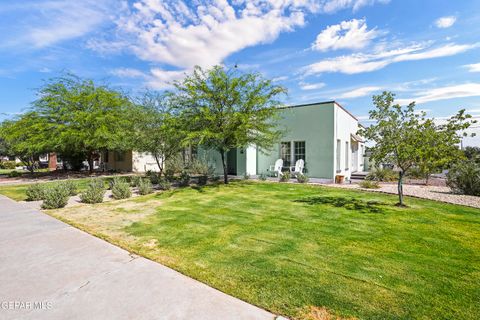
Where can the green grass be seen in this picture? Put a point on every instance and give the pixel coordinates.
(17, 191)
(286, 247)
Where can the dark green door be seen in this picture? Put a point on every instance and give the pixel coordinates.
(232, 162)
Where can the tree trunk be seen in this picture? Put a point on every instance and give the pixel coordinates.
(160, 166)
(90, 162)
(225, 173)
(427, 179)
(400, 187)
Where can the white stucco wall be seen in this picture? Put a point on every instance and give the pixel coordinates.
(251, 159)
(143, 162)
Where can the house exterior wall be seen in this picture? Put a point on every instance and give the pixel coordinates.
(115, 163)
(143, 162)
(313, 124)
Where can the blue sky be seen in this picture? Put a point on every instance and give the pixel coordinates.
(343, 50)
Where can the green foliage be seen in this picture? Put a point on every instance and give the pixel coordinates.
(184, 179)
(202, 180)
(464, 178)
(94, 193)
(302, 178)
(144, 187)
(121, 189)
(135, 181)
(200, 166)
(262, 176)
(382, 174)
(472, 154)
(35, 192)
(71, 186)
(285, 176)
(405, 138)
(8, 165)
(153, 177)
(164, 184)
(225, 109)
(14, 174)
(56, 196)
(369, 184)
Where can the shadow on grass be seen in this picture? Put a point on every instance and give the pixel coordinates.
(347, 203)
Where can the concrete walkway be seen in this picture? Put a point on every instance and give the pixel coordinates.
(50, 270)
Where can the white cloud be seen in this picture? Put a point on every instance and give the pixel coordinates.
(172, 33)
(163, 79)
(128, 73)
(279, 79)
(475, 67)
(360, 62)
(311, 86)
(45, 23)
(331, 6)
(352, 34)
(445, 22)
(444, 93)
(359, 92)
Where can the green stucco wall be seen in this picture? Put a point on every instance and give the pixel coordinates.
(313, 124)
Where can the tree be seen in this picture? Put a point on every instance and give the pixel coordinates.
(84, 118)
(472, 154)
(26, 137)
(406, 139)
(225, 109)
(158, 130)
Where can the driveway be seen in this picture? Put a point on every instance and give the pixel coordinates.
(50, 270)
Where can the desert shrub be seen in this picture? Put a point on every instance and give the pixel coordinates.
(184, 179)
(144, 187)
(10, 165)
(14, 174)
(382, 174)
(369, 184)
(246, 176)
(285, 177)
(56, 196)
(464, 178)
(35, 192)
(121, 189)
(71, 186)
(416, 173)
(164, 184)
(94, 192)
(174, 165)
(135, 181)
(262, 176)
(301, 178)
(216, 178)
(169, 174)
(202, 180)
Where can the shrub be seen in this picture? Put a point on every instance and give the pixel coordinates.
(416, 173)
(144, 187)
(246, 176)
(382, 174)
(14, 174)
(35, 192)
(464, 178)
(164, 184)
(202, 180)
(121, 189)
(216, 178)
(369, 184)
(285, 177)
(135, 181)
(262, 176)
(71, 186)
(184, 179)
(56, 196)
(301, 178)
(8, 165)
(154, 178)
(94, 192)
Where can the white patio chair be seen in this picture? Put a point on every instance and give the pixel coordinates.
(276, 169)
(299, 166)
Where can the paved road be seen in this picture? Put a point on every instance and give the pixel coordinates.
(50, 270)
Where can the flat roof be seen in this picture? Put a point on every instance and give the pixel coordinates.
(317, 103)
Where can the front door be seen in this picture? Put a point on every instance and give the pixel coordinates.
(354, 145)
(232, 162)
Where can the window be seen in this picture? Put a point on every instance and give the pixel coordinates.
(339, 153)
(346, 155)
(285, 153)
(119, 156)
(299, 147)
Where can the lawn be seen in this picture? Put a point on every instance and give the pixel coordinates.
(290, 248)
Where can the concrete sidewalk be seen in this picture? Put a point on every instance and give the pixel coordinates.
(50, 270)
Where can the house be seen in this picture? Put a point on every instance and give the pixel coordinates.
(323, 134)
(128, 161)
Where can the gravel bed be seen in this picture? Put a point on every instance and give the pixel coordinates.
(437, 193)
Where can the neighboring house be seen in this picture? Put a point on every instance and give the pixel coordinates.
(323, 134)
(128, 161)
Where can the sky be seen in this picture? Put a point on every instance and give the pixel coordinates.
(426, 51)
